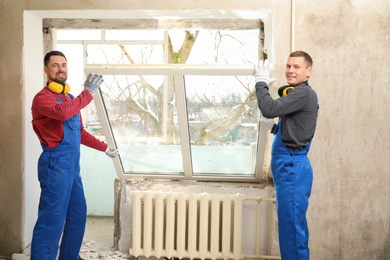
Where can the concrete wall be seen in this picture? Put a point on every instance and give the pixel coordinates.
(349, 212)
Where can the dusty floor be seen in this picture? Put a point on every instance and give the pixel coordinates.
(97, 244)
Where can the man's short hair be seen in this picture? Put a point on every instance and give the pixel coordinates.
(306, 57)
(52, 53)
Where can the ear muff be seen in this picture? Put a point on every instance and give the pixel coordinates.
(283, 91)
(58, 88)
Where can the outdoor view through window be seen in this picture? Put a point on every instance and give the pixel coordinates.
(220, 109)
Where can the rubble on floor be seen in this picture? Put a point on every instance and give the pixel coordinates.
(88, 251)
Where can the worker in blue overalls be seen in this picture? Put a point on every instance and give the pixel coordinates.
(292, 173)
(58, 125)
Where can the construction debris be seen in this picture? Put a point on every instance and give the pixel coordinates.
(88, 251)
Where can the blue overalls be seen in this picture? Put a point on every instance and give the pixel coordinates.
(293, 177)
(62, 198)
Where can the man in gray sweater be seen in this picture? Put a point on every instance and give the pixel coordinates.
(292, 173)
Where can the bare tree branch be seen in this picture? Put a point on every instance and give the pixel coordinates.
(144, 82)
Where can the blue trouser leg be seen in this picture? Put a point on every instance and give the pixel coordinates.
(304, 181)
(293, 180)
(72, 237)
(55, 192)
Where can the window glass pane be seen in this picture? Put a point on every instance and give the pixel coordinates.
(184, 47)
(124, 54)
(214, 46)
(143, 116)
(135, 35)
(68, 35)
(223, 121)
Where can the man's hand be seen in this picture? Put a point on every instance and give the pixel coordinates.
(93, 82)
(263, 72)
(269, 122)
(112, 152)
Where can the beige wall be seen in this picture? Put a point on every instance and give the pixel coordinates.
(350, 208)
(349, 211)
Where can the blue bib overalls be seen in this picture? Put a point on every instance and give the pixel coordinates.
(62, 205)
(293, 177)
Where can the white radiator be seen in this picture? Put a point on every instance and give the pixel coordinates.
(180, 225)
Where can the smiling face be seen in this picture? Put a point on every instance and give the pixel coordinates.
(297, 71)
(57, 69)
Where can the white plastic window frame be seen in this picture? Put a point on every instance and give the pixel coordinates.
(178, 72)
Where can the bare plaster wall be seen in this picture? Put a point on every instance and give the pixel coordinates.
(349, 212)
(11, 130)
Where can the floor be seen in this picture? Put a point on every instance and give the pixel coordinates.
(100, 232)
(97, 244)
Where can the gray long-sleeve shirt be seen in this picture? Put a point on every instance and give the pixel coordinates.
(297, 112)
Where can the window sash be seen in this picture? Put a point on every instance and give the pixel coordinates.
(178, 71)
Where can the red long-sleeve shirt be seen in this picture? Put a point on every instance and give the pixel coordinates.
(48, 116)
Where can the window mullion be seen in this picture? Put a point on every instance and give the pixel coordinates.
(183, 124)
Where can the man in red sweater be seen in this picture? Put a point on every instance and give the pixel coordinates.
(58, 125)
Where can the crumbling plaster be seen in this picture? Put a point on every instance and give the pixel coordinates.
(349, 212)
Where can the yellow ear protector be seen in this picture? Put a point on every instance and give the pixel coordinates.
(283, 91)
(59, 88)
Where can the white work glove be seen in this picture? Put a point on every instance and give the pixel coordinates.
(93, 82)
(268, 121)
(263, 72)
(112, 152)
